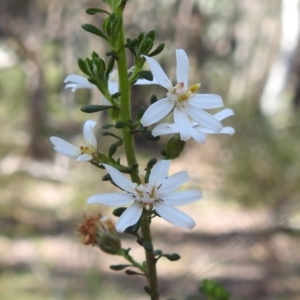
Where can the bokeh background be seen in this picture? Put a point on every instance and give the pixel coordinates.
(247, 233)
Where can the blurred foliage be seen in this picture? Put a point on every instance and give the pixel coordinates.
(231, 45)
(263, 162)
(213, 290)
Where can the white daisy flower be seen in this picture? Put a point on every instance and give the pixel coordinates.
(84, 153)
(195, 130)
(182, 99)
(159, 194)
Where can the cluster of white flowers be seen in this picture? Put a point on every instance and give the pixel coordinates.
(190, 121)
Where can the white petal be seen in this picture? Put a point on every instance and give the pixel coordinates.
(225, 130)
(158, 73)
(206, 101)
(113, 87)
(120, 180)
(71, 86)
(143, 81)
(156, 111)
(183, 123)
(228, 130)
(173, 182)
(129, 217)
(223, 114)
(89, 134)
(111, 199)
(164, 128)
(181, 198)
(77, 81)
(202, 117)
(65, 147)
(84, 157)
(159, 172)
(199, 136)
(182, 67)
(174, 216)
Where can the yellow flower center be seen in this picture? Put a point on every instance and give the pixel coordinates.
(87, 150)
(179, 95)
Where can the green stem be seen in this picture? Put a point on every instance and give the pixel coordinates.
(125, 105)
(124, 116)
(150, 258)
(129, 258)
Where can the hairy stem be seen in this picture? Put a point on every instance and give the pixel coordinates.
(125, 106)
(149, 251)
(124, 116)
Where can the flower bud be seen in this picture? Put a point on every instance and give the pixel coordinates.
(174, 147)
(100, 231)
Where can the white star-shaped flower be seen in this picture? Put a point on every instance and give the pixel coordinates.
(84, 153)
(196, 131)
(182, 99)
(158, 193)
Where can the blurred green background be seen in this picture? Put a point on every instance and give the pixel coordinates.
(247, 234)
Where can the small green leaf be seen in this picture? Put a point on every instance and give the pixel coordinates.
(101, 67)
(158, 50)
(93, 11)
(112, 150)
(140, 37)
(146, 46)
(95, 55)
(153, 99)
(155, 213)
(131, 43)
(151, 35)
(116, 95)
(148, 135)
(172, 257)
(118, 211)
(92, 29)
(93, 81)
(106, 133)
(119, 267)
(146, 75)
(141, 112)
(110, 66)
(158, 252)
(120, 124)
(95, 108)
(116, 26)
(82, 66)
(89, 66)
(107, 27)
(106, 177)
(147, 290)
(151, 163)
(131, 273)
(106, 126)
(127, 250)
